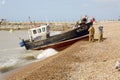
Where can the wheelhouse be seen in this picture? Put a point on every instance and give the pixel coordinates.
(39, 33)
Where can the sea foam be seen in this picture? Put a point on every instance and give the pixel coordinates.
(8, 64)
(47, 53)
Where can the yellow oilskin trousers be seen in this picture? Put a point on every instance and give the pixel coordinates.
(100, 37)
(91, 38)
(91, 34)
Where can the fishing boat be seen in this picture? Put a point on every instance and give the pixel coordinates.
(40, 38)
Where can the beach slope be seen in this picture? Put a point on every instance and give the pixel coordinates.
(80, 61)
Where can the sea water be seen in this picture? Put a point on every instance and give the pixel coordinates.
(13, 56)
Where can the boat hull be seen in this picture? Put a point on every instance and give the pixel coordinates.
(61, 45)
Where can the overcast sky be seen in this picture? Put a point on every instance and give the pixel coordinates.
(59, 10)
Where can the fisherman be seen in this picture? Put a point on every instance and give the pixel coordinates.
(85, 19)
(100, 35)
(91, 33)
(92, 20)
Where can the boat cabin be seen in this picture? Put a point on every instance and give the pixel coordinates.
(39, 33)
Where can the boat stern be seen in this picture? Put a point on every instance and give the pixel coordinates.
(26, 44)
(22, 43)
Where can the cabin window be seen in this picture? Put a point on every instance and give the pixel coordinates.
(43, 29)
(39, 30)
(34, 32)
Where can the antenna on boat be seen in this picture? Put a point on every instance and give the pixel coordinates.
(47, 21)
(30, 21)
